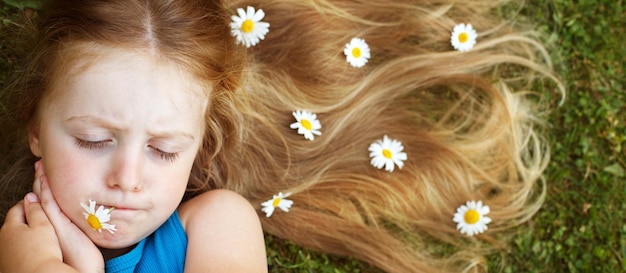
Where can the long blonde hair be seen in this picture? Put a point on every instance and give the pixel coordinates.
(468, 121)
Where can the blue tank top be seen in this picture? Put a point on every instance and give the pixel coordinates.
(162, 251)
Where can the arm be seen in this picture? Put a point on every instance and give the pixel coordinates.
(224, 234)
(28, 242)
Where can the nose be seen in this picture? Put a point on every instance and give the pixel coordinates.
(126, 171)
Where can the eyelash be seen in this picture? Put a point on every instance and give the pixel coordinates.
(94, 145)
(91, 145)
(165, 155)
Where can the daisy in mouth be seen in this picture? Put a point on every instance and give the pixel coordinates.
(97, 219)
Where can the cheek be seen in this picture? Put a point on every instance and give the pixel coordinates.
(174, 180)
(70, 177)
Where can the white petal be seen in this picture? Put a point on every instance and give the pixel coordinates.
(268, 211)
(258, 16)
(285, 204)
(110, 228)
(389, 165)
(242, 14)
(250, 12)
(86, 208)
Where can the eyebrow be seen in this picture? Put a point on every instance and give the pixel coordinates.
(111, 125)
(171, 134)
(96, 121)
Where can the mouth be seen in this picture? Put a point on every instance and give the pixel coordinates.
(122, 209)
(123, 213)
(118, 208)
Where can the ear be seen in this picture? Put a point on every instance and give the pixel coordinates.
(33, 140)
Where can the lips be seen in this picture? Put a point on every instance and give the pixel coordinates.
(120, 208)
(124, 213)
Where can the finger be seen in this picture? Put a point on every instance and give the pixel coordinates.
(50, 206)
(34, 211)
(37, 186)
(75, 244)
(16, 214)
(38, 165)
(38, 174)
(47, 199)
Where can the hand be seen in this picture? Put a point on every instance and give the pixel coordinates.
(78, 250)
(28, 242)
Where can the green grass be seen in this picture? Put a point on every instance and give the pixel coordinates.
(582, 226)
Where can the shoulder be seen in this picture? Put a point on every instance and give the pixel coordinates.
(224, 234)
(224, 200)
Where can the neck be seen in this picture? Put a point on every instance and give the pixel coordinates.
(112, 253)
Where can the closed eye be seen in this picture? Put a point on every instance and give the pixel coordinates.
(164, 155)
(91, 145)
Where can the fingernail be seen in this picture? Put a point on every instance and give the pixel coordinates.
(32, 198)
(37, 166)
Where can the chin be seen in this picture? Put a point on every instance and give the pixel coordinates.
(116, 240)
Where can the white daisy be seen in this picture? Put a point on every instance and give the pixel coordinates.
(471, 219)
(463, 37)
(307, 124)
(357, 52)
(387, 152)
(277, 201)
(248, 28)
(98, 219)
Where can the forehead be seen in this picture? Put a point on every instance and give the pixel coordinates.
(81, 62)
(127, 84)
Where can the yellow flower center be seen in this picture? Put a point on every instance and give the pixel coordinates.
(472, 216)
(463, 37)
(94, 222)
(387, 154)
(306, 124)
(276, 202)
(356, 52)
(247, 26)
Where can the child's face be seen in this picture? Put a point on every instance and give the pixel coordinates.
(124, 133)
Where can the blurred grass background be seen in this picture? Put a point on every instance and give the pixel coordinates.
(582, 226)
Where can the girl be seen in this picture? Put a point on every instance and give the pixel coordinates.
(387, 131)
(126, 106)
